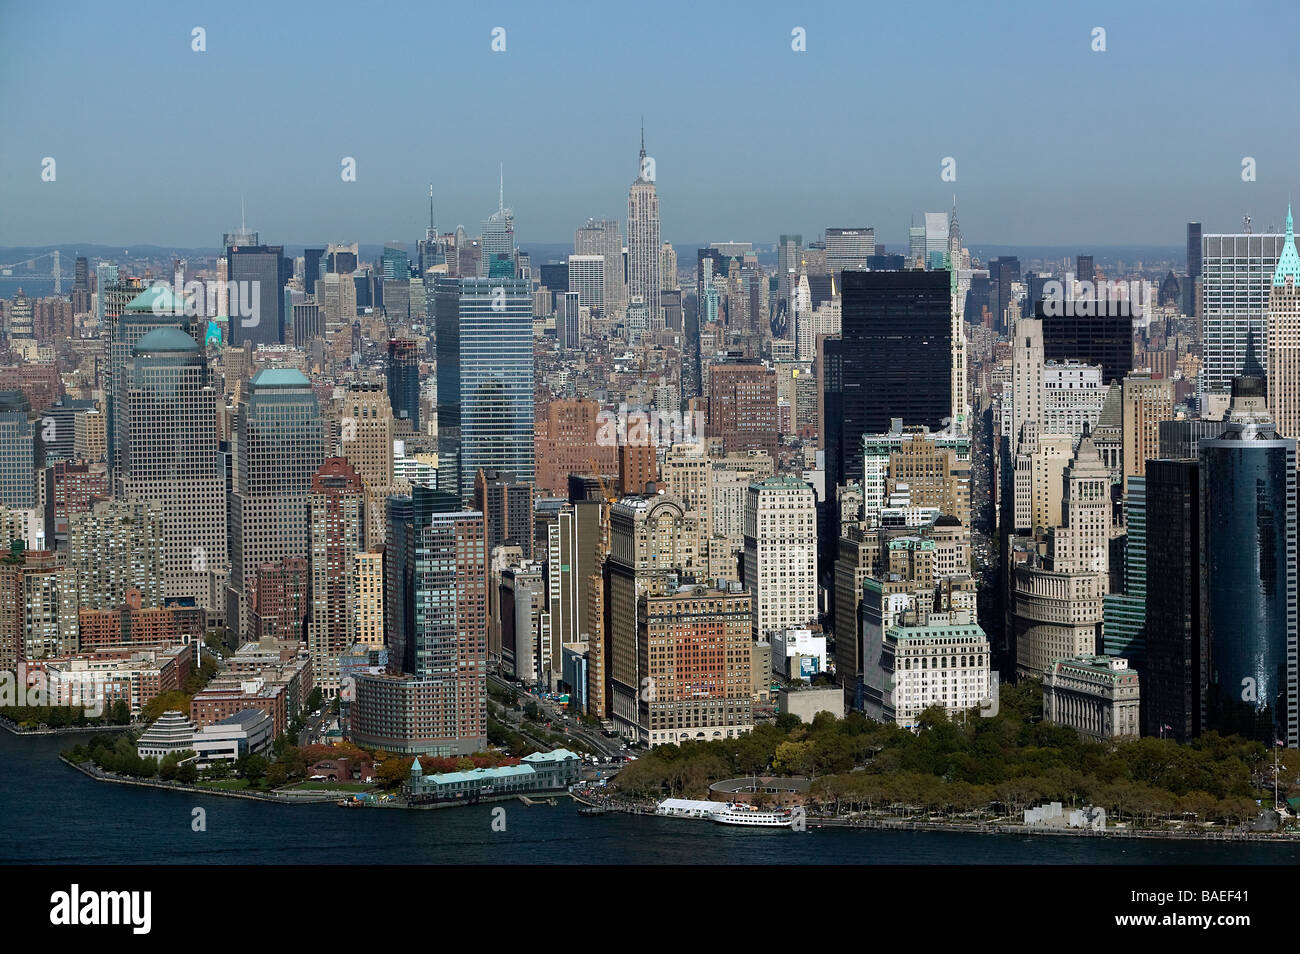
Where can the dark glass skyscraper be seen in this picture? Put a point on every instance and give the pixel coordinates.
(1194, 250)
(404, 380)
(1248, 489)
(263, 266)
(1173, 679)
(1090, 331)
(895, 360)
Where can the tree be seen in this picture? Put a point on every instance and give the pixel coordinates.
(187, 773)
(392, 772)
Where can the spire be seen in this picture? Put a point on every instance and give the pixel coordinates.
(642, 137)
(431, 228)
(242, 227)
(1288, 263)
(501, 194)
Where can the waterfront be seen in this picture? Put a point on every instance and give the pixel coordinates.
(55, 814)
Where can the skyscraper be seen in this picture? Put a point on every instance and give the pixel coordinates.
(895, 359)
(1236, 282)
(1248, 493)
(171, 457)
(279, 444)
(366, 440)
(404, 380)
(17, 451)
(849, 248)
(155, 307)
(603, 287)
(498, 258)
(1284, 338)
(643, 243)
(485, 380)
(336, 519)
(781, 554)
(1193, 250)
(260, 319)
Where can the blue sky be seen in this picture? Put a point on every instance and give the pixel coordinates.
(1055, 144)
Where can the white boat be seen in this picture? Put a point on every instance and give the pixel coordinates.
(738, 813)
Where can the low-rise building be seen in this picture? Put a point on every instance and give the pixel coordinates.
(173, 732)
(806, 703)
(1099, 696)
(249, 732)
(799, 653)
(541, 771)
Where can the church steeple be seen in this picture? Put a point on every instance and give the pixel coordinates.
(1288, 263)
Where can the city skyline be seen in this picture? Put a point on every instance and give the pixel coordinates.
(1113, 175)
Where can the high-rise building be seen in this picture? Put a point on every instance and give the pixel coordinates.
(366, 440)
(265, 269)
(603, 287)
(115, 546)
(1090, 331)
(780, 568)
(587, 280)
(18, 452)
(1058, 601)
(1194, 250)
(697, 647)
(1084, 270)
(336, 518)
(743, 407)
(894, 359)
(485, 380)
(171, 457)
(849, 248)
(1248, 532)
(404, 380)
(1147, 400)
(498, 255)
(1236, 281)
(644, 245)
(279, 444)
(507, 507)
(150, 309)
(1177, 664)
(1284, 338)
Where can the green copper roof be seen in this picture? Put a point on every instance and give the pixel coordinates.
(1288, 265)
(280, 378)
(157, 299)
(165, 339)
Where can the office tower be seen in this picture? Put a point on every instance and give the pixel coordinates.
(1177, 664)
(1073, 395)
(1248, 539)
(1236, 281)
(1089, 331)
(916, 246)
(696, 643)
(369, 575)
(1180, 439)
(781, 554)
(279, 444)
(1284, 338)
(105, 275)
(1194, 251)
(644, 245)
(404, 380)
(336, 519)
(604, 287)
(485, 380)
(397, 283)
(936, 238)
(153, 308)
(1084, 270)
(498, 251)
(1028, 361)
(115, 546)
(668, 268)
(311, 268)
(894, 361)
(652, 544)
(1058, 609)
(308, 323)
(587, 280)
(260, 319)
(18, 451)
(436, 578)
(848, 248)
(1003, 272)
(507, 506)
(637, 470)
(170, 456)
(567, 332)
(789, 252)
(366, 440)
(1125, 612)
(743, 408)
(429, 248)
(1147, 400)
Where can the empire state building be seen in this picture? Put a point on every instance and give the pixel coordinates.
(643, 243)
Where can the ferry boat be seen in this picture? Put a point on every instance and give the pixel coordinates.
(738, 813)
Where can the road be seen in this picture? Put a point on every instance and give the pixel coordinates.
(555, 714)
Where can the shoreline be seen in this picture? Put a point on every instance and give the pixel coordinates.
(315, 798)
(905, 824)
(14, 729)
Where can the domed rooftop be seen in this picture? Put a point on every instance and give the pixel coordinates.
(164, 340)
